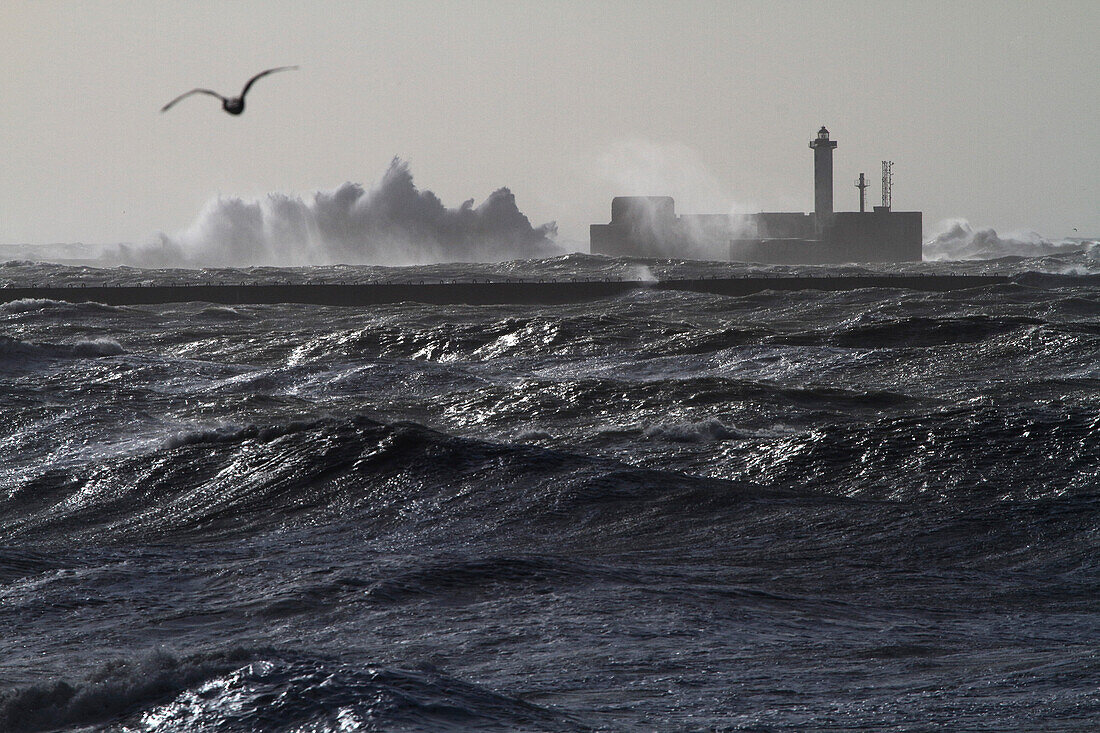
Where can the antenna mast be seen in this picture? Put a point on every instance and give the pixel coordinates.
(887, 183)
(862, 185)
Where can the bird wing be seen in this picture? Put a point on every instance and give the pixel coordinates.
(188, 94)
(263, 73)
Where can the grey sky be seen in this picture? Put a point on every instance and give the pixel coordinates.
(989, 110)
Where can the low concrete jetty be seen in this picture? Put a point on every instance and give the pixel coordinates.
(479, 292)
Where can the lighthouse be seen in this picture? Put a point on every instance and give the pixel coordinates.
(823, 179)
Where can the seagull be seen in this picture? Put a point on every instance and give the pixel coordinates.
(232, 105)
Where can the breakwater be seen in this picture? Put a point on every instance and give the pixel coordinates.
(481, 292)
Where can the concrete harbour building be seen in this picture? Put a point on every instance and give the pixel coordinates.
(647, 226)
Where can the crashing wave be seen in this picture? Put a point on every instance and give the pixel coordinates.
(960, 241)
(394, 223)
(115, 689)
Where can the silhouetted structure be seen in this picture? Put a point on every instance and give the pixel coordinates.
(887, 184)
(647, 226)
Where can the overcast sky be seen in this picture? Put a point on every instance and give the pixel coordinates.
(989, 110)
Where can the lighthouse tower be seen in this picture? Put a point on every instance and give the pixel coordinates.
(823, 179)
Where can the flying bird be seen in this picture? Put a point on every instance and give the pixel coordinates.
(232, 105)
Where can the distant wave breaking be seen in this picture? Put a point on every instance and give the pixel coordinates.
(960, 241)
(395, 223)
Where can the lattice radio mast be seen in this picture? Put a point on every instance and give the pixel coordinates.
(887, 183)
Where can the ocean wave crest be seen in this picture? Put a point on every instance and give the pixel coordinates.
(242, 689)
(14, 351)
(35, 305)
(114, 690)
(710, 429)
(258, 478)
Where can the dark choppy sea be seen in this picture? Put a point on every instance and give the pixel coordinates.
(876, 509)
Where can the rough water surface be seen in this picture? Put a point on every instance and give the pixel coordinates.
(873, 509)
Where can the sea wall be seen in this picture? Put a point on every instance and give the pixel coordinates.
(478, 293)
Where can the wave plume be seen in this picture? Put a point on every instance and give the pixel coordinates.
(960, 241)
(395, 223)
